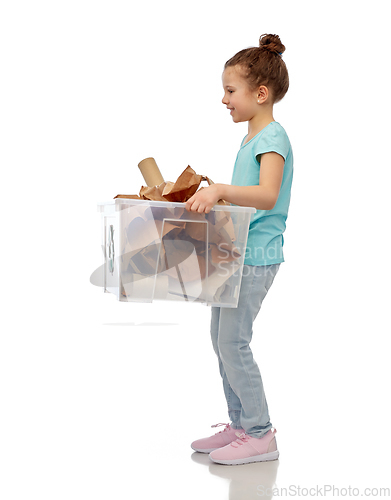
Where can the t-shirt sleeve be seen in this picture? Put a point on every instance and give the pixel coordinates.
(274, 141)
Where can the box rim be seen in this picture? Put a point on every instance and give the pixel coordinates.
(116, 201)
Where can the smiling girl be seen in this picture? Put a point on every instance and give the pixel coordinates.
(253, 80)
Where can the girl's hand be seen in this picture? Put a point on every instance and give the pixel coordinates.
(204, 200)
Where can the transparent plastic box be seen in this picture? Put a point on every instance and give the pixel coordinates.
(157, 250)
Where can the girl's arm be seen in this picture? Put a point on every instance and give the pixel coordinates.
(262, 197)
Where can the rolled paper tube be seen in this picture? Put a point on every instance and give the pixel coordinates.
(150, 172)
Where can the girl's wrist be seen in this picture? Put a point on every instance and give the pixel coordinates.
(221, 191)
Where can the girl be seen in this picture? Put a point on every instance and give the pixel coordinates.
(253, 80)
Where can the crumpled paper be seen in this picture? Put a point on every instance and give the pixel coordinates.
(179, 191)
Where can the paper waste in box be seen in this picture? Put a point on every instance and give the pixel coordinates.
(155, 249)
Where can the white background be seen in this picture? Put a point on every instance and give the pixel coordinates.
(101, 399)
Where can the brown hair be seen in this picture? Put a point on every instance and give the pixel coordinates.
(263, 65)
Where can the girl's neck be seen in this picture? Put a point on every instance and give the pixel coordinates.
(258, 123)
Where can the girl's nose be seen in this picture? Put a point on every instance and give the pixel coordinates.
(224, 100)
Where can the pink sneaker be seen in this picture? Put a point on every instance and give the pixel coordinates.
(247, 449)
(218, 440)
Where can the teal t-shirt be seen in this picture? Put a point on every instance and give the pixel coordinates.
(265, 236)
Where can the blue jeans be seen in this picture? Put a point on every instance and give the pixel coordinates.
(231, 331)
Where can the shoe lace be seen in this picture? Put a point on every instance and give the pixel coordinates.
(227, 428)
(242, 438)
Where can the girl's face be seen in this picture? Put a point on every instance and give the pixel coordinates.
(238, 97)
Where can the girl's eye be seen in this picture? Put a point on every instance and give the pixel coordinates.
(230, 91)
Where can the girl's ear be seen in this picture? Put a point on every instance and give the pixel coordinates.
(263, 94)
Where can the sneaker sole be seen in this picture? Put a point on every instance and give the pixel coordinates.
(265, 457)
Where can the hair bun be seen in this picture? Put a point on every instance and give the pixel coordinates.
(271, 43)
